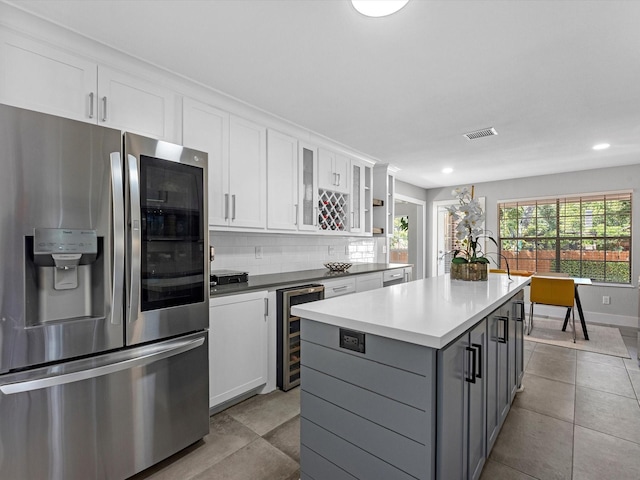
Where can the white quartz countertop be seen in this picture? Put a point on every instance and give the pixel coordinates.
(430, 312)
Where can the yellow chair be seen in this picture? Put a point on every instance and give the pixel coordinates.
(555, 291)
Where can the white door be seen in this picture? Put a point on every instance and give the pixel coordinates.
(247, 173)
(357, 197)
(282, 181)
(132, 104)
(38, 77)
(308, 187)
(206, 128)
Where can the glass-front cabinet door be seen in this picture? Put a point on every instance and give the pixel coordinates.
(308, 182)
(173, 236)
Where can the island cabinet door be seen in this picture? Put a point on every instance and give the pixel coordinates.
(515, 343)
(498, 385)
(461, 399)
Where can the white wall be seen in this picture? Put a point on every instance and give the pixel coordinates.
(623, 309)
(287, 253)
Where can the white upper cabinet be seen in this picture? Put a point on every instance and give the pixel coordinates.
(206, 128)
(308, 187)
(39, 77)
(237, 164)
(282, 181)
(333, 171)
(247, 174)
(357, 197)
(135, 105)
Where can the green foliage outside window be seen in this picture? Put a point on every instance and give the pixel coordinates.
(587, 236)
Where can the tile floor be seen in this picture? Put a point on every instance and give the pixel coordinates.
(578, 418)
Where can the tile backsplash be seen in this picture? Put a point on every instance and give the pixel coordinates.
(259, 254)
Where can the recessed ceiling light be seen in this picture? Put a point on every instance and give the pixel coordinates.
(601, 146)
(378, 8)
(447, 170)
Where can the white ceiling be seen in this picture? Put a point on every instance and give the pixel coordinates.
(553, 77)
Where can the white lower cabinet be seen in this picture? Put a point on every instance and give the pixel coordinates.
(368, 281)
(339, 286)
(238, 340)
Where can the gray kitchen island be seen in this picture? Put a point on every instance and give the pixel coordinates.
(412, 381)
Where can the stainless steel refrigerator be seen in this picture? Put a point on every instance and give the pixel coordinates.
(103, 299)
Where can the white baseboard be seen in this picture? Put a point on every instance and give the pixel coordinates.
(590, 317)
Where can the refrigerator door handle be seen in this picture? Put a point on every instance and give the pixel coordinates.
(136, 235)
(145, 358)
(118, 238)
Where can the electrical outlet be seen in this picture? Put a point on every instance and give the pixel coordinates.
(606, 300)
(384, 249)
(332, 250)
(258, 252)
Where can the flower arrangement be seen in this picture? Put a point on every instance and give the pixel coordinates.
(470, 218)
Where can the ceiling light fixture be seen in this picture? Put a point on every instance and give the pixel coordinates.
(601, 146)
(378, 8)
(447, 170)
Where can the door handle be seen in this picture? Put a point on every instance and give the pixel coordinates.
(136, 238)
(226, 206)
(471, 358)
(479, 347)
(505, 329)
(137, 361)
(117, 193)
(91, 105)
(104, 109)
(233, 207)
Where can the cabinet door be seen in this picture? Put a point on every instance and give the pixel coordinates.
(518, 312)
(237, 346)
(357, 197)
(308, 191)
(130, 103)
(247, 173)
(341, 167)
(282, 181)
(369, 281)
(327, 179)
(41, 78)
(452, 418)
(498, 392)
(477, 439)
(206, 128)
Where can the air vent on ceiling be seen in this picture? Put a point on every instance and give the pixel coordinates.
(485, 132)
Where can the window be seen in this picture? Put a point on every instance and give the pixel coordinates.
(584, 236)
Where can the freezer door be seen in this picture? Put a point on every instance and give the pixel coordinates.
(60, 297)
(168, 265)
(105, 418)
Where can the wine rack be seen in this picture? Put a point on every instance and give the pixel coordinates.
(332, 211)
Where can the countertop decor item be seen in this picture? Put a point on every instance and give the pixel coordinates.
(337, 266)
(469, 261)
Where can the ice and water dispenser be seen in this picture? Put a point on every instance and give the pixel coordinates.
(66, 266)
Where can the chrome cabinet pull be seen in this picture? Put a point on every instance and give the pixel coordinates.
(233, 207)
(91, 105)
(226, 206)
(295, 214)
(104, 109)
(266, 308)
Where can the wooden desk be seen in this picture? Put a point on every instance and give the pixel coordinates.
(577, 282)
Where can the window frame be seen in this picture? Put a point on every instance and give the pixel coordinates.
(581, 238)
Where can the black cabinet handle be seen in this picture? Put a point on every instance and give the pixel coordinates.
(520, 317)
(479, 347)
(505, 329)
(472, 369)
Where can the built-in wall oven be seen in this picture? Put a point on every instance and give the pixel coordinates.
(288, 330)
